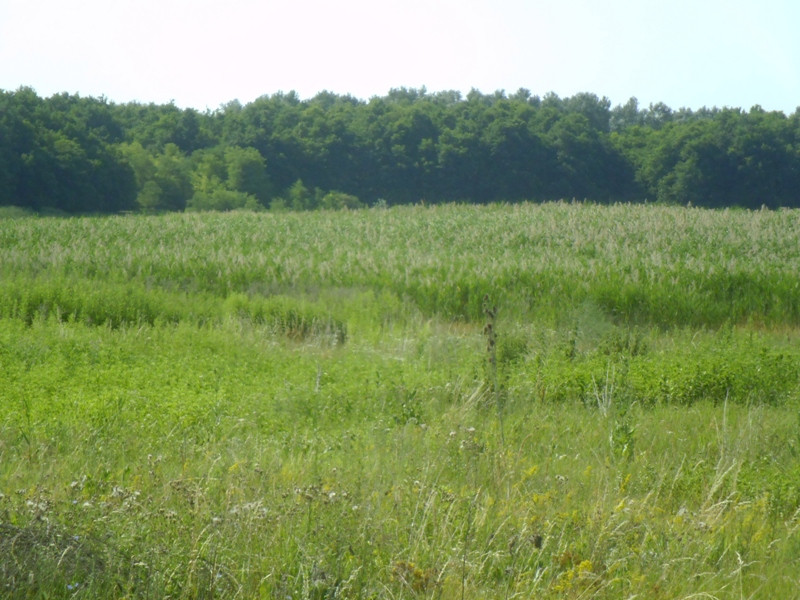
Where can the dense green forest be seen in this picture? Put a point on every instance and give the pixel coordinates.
(75, 154)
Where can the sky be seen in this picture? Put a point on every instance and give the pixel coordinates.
(204, 53)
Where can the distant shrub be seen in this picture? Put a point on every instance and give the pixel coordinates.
(340, 200)
(15, 212)
(223, 200)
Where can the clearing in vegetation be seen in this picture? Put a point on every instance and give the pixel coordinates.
(528, 401)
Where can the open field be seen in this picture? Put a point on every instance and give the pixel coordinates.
(308, 406)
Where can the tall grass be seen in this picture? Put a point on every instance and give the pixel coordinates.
(275, 406)
(645, 264)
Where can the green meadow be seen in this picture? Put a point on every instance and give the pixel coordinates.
(504, 401)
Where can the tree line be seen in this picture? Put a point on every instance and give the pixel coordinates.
(78, 155)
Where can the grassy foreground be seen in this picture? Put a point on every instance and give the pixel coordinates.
(310, 406)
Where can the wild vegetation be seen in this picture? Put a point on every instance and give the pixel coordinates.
(284, 405)
(67, 154)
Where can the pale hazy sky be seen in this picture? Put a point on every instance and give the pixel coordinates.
(203, 53)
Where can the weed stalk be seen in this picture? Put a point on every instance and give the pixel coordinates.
(490, 331)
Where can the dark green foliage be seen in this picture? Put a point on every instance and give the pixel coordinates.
(718, 158)
(78, 155)
(60, 154)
